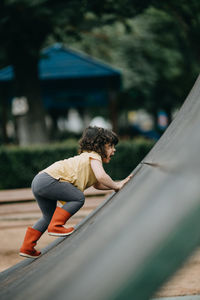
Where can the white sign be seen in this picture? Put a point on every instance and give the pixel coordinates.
(19, 106)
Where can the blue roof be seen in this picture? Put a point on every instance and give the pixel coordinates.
(69, 78)
(58, 62)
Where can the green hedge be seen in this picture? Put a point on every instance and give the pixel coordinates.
(18, 165)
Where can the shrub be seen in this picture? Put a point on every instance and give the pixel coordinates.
(18, 165)
(128, 155)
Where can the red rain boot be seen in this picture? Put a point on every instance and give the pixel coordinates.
(31, 237)
(59, 218)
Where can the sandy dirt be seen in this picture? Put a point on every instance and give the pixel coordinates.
(14, 219)
(186, 281)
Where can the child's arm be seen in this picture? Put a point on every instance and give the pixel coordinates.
(100, 186)
(104, 179)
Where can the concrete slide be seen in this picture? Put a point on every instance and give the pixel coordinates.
(133, 242)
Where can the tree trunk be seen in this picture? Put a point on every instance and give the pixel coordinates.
(4, 113)
(31, 125)
(113, 110)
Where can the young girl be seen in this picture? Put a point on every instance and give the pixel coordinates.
(65, 180)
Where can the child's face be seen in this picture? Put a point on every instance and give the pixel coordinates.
(110, 151)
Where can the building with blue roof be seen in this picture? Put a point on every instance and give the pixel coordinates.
(70, 79)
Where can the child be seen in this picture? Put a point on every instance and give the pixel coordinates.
(65, 180)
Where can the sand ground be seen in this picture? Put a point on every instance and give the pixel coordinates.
(14, 219)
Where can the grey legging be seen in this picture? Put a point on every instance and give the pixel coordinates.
(48, 191)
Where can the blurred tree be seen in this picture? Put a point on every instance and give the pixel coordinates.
(154, 52)
(178, 31)
(25, 26)
(186, 19)
(3, 106)
(158, 64)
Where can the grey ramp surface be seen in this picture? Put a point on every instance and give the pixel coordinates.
(137, 239)
(191, 297)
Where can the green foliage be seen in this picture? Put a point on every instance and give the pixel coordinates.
(128, 155)
(25, 27)
(157, 52)
(26, 24)
(154, 43)
(20, 164)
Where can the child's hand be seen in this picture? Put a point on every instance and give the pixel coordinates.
(121, 183)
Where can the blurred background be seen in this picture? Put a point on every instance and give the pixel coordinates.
(126, 65)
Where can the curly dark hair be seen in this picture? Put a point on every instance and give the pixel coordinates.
(95, 138)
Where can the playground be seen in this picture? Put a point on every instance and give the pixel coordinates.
(184, 282)
(132, 65)
(160, 226)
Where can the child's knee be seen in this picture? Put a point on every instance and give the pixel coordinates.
(82, 200)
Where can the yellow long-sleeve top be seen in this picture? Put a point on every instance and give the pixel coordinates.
(76, 170)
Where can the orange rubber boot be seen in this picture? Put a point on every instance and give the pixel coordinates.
(59, 218)
(31, 237)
